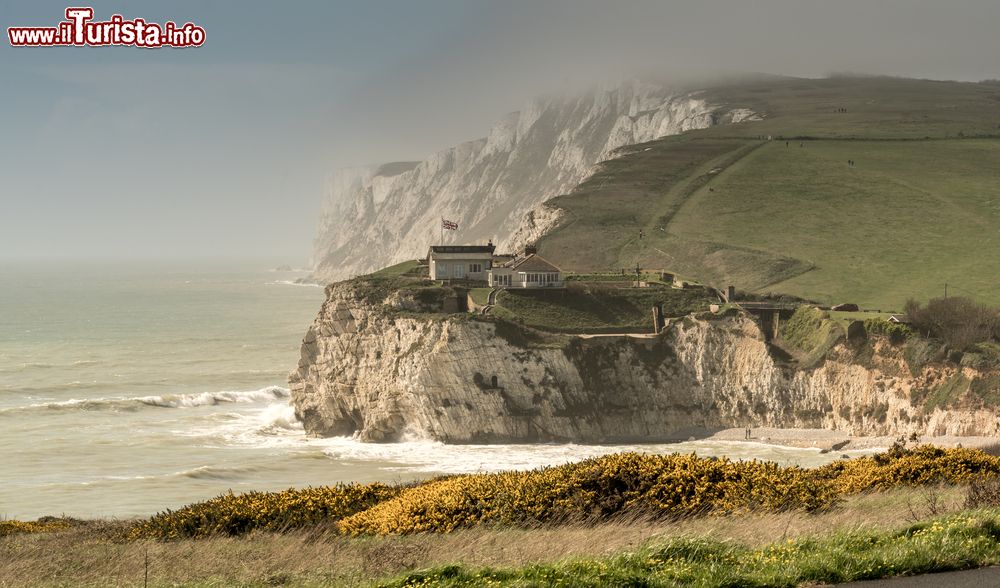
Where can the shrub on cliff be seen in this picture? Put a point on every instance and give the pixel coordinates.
(960, 322)
(896, 333)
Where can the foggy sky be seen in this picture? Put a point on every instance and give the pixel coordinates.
(221, 151)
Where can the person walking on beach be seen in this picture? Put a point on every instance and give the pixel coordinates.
(747, 436)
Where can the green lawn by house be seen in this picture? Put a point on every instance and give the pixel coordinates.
(594, 308)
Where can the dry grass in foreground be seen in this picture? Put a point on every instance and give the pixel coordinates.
(84, 556)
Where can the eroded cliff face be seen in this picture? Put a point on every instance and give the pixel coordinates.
(374, 217)
(382, 376)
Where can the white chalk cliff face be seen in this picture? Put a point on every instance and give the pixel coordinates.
(384, 376)
(377, 216)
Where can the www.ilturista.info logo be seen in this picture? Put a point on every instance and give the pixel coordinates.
(80, 30)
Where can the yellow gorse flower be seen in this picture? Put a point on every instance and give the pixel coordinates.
(595, 489)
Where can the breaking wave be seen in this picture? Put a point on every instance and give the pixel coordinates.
(268, 393)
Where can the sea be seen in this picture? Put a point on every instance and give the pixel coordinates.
(130, 388)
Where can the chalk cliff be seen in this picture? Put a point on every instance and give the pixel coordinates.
(380, 215)
(373, 368)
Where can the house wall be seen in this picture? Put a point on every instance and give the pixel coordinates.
(496, 277)
(538, 280)
(521, 280)
(442, 266)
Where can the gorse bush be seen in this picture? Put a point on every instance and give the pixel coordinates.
(41, 526)
(898, 467)
(656, 486)
(238, 514)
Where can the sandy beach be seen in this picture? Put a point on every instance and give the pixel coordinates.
(840, 440)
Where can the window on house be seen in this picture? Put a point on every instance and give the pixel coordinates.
(475, 268)
(459, 270)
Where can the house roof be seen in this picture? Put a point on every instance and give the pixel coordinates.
(532, 263)
(463, 249)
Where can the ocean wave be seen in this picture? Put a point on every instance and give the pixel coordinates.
(213, 398)
(37, 365)
(431, 457)
(25, 366)
(273, 426)
(292, 283)
(217, 472)
(165, 401)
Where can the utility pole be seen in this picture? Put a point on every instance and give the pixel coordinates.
(946, 290)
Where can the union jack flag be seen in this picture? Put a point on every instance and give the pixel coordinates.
(450, 225)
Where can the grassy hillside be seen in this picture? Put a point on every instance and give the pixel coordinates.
(906, 218)
(920, 207)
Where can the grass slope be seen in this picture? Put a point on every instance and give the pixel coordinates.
(921, 207)
(908, 217)
(957, 542)
(592, 308)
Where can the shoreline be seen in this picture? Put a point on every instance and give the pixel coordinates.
(830, 440)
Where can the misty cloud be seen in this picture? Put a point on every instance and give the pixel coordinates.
(247, 127)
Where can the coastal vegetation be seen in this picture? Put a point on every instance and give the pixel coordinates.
(599, 489)
(953, 330)
(622, 518)
(954, 542)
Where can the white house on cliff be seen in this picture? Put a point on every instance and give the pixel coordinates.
(460, 262)
(480, 263)
(526, 271)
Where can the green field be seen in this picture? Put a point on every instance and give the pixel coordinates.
(596, 308)
(920, 207)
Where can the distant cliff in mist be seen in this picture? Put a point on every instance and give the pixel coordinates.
(375, 216)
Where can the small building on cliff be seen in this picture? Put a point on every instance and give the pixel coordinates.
(526, 271)
(460, 262)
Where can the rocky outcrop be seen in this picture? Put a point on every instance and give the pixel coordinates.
(376, 216)
(382, 374)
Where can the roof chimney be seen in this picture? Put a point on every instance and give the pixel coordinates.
(529, 250)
